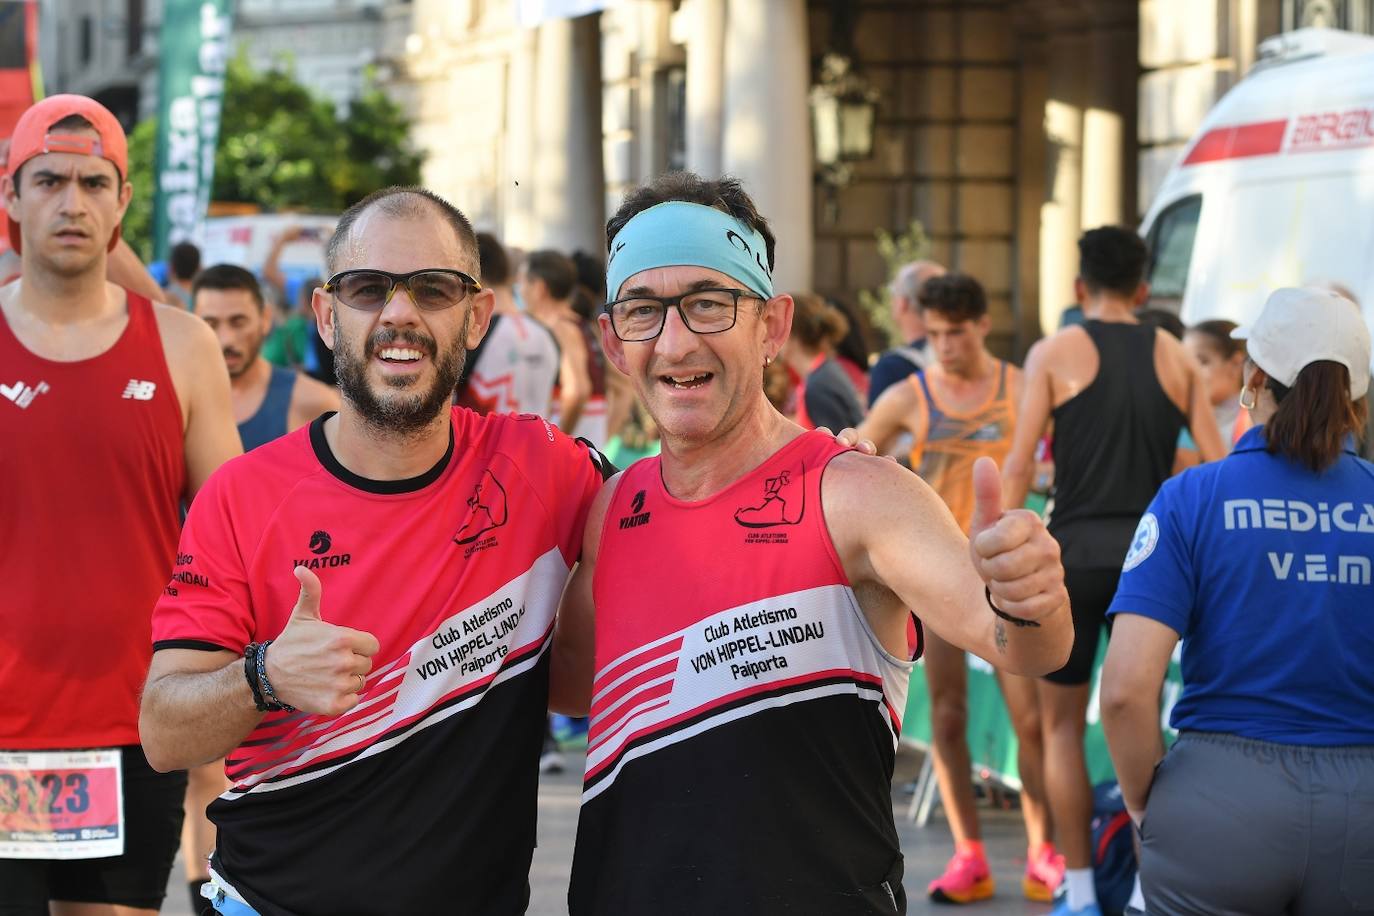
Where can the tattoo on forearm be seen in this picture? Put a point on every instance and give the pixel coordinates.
(1000, 633)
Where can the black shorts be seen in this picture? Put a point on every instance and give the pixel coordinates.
(152, 823)
(1090, 594)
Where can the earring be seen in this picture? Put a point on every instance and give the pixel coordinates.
(767, 361)
(1254, 396)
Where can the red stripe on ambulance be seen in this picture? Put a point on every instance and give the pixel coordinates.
(1238, 141)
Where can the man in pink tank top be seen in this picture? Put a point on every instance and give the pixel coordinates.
(751, 588)
(122, 410)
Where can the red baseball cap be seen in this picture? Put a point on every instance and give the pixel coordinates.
(31, 138)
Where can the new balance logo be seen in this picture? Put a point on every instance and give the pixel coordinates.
(140, 391)
(21, 394)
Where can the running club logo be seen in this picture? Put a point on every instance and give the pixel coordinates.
(487, 511)
(320, 542)
(637, 514)
(784, 503)
(22, 395)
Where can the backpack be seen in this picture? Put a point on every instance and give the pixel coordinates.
(1114, 863)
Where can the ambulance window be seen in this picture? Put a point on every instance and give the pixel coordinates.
(1171, 243)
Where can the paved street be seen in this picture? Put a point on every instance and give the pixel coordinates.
(926, 851)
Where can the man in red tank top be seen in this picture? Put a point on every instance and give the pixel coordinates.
(122, 414)
(751, 588)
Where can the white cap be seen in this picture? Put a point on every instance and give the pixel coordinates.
(1299, 326)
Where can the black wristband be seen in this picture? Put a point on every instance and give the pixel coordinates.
(1014, 621)
(250, 674)
(269, 695)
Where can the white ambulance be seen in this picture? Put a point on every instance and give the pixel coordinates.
(1276, 188)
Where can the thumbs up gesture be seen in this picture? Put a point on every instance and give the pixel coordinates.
(1013, 552)
(314, 665)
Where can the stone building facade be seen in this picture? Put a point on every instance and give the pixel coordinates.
(1006, 127)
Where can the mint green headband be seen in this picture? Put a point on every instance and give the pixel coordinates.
(683, 234)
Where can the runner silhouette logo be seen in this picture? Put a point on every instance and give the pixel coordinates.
(487, 510)
(320, 543)
(784, 503)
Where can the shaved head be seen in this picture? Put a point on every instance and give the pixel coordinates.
(410, 203)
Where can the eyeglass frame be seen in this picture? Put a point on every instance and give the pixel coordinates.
(675, 302)
(331, 286)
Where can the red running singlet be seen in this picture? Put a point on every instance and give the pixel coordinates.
(91, 476)
(744, 716)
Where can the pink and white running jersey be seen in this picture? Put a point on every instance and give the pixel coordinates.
(745, 716)
(422, 798)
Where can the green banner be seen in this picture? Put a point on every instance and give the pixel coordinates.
(194, 51)
(991, 741)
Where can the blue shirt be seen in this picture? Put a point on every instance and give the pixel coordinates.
(893, 366)
(1264, 568)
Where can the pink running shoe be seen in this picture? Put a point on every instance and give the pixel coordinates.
(967, 878)
(1044, 874)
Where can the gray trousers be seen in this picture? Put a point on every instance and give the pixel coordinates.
(1236, 827)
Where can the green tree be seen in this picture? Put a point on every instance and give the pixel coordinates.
(283, 147)
(138, 220)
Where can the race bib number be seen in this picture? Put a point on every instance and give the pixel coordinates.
(61, 805)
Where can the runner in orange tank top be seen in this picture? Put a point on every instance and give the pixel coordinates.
(960, 408)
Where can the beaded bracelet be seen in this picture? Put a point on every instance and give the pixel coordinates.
(1015, 621)
(269, 695)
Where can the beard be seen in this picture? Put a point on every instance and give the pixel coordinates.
(398, 414)
(249, 356)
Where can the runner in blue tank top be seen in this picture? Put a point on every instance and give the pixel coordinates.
(269, 401)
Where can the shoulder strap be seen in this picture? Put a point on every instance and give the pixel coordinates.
(281, 385)
(140, 308)
(931, 407)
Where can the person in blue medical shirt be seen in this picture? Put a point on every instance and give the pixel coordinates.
(1262, 564)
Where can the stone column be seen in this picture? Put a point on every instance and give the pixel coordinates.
(1109, 121)
(704, 27)
(568, 178)
(1031, 190)
(767, 137)
(1061, 214)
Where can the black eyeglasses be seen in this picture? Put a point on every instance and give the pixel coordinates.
(432, 289)
(704, 311)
